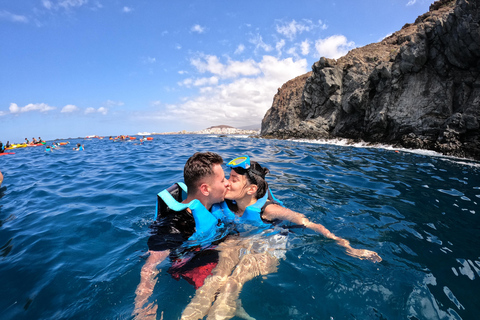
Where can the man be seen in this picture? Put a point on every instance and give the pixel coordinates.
(178, 222)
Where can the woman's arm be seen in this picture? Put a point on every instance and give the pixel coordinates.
(275, 211)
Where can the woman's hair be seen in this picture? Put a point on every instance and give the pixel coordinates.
(255, 175)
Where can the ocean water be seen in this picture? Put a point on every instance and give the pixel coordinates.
(74, 230)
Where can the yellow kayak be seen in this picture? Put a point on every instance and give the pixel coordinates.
(15, 146)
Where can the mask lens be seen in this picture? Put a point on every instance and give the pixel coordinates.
(243, 162)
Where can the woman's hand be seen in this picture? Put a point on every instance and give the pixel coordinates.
(364, 254)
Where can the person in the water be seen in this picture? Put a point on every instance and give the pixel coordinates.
(242, 259)
(206, 184)
(79, 147)
(1, 178)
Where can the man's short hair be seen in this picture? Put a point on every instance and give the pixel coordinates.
(199, 166)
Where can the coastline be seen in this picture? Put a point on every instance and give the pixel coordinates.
(222, 131)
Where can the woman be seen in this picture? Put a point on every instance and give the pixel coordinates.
(250, 202)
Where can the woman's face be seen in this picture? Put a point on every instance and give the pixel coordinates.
(237, 187)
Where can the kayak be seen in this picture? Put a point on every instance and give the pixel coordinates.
(5, 153)
(15, 146)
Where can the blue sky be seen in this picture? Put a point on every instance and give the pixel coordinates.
(71, 68)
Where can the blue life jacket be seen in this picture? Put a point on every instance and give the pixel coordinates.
(208, 225)
(253, 213)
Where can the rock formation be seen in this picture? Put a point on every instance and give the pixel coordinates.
(418, 88)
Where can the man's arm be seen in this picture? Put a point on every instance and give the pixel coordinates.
(275, 211)
(147, 283)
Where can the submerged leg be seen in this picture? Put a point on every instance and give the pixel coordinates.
(250, 266)
(229, 252)
(241, 313)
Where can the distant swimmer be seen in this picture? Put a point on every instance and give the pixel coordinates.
(1, 178)
(79, 147)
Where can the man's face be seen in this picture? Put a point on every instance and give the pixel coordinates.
(218, 184)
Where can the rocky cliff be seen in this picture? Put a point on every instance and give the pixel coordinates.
(418, 88)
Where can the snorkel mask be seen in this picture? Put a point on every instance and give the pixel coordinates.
(242, 166)
(240, 162)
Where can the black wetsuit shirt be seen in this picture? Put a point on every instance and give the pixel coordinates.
(171, 230)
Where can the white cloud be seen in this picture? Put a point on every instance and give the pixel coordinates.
(241, 102)
(305, 47)
(69, 108)
(279, 46)
(90, 110)
(47, 4)
(14, 108)
(67, 4)
(103, 110)
(232, 69)
(187, 82)
(293, 52)
(72, 3)
(334, 46)
(5, 15)
(198, 29)
(200, 82)
(127, 9)
(293, 28)
(257, 40)
(41, 107)
(111, 103)
(411, 2)
(149, 60)
(206, 81)
(240, 49)
(323, 26)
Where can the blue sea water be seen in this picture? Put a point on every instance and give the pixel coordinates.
(74, 229)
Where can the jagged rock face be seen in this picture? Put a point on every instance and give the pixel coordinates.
(418, 88)
(284, 112)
